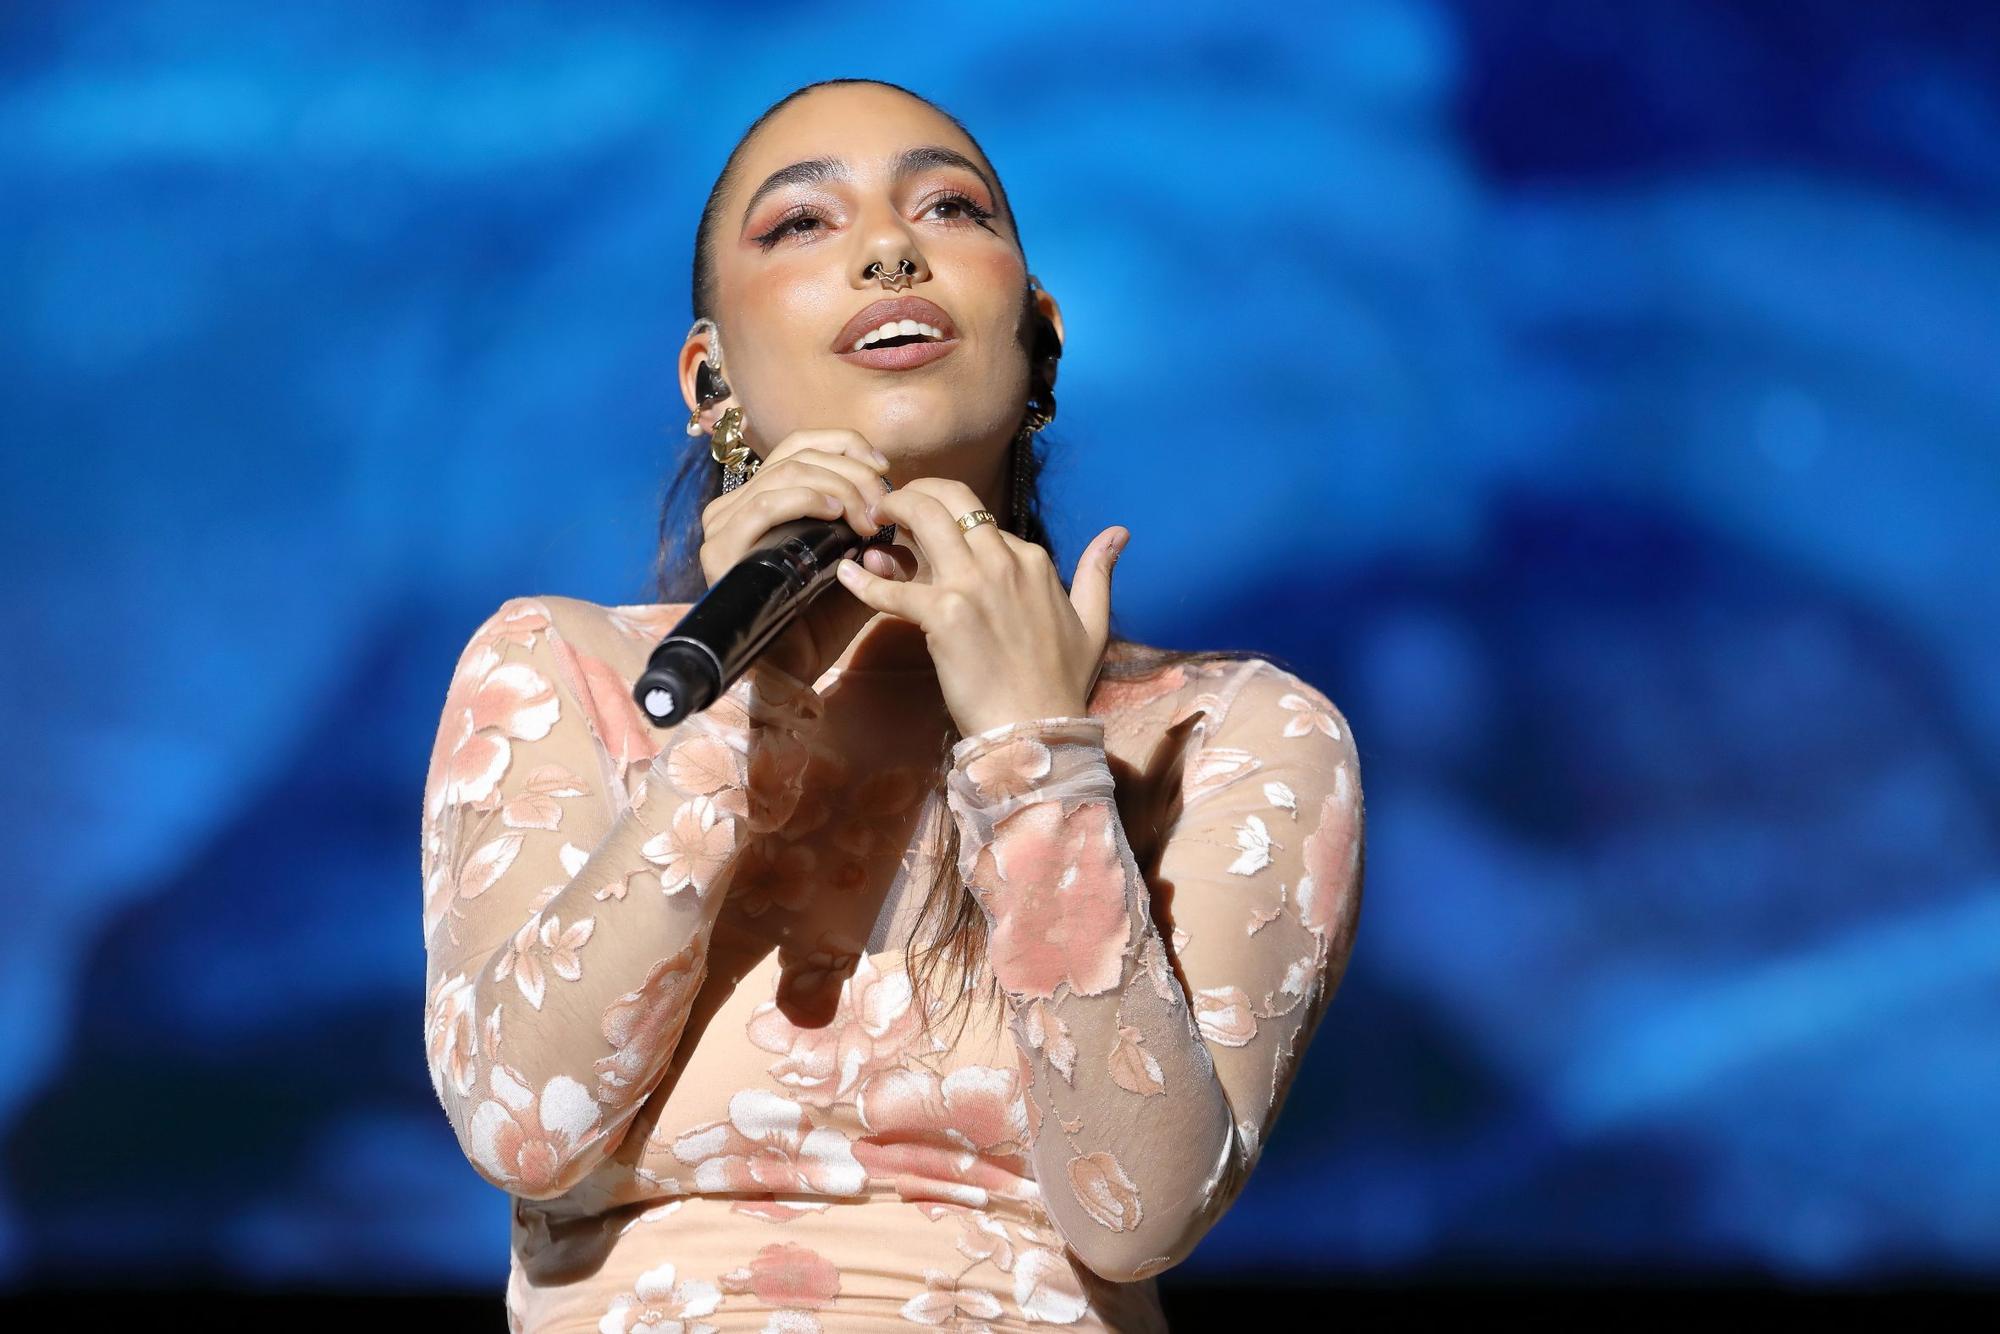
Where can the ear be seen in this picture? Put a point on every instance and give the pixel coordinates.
(1050, 358)
(701, 345)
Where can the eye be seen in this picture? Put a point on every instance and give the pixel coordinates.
(787, 224)
(972, 212)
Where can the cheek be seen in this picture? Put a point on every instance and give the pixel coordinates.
(787, 315)
(999, 278)
(1000, 270)
(793, 304)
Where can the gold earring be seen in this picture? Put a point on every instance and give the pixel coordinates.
(1041, 406)
(1024, 443)
(728, 447)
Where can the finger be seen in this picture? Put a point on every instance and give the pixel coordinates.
(889, 560)
(888, 595)
(828, 440)
(863, 472)
(1090, 587)
(854, 483)
(760, 513)
(832, 439)
(924, 518)
(871, 477)
(985, 539)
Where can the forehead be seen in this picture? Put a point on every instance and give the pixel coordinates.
(862, 123)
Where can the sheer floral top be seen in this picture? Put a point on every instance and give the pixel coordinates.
(668, 1009)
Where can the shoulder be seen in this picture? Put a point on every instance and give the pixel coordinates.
(538, 641)
(582, 657)
(530, 618)
(598, 628)
(1283, 696)
(1241, 700)
(1216, 684)
(1267, 735)
(1258, 706)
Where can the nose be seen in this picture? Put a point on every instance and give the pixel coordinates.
(889, 254)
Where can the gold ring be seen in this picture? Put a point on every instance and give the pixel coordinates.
(968, 522)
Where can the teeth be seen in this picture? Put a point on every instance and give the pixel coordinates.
(896, 329)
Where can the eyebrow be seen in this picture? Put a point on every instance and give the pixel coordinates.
(814, 171)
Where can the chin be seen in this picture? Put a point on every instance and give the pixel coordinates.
(914, 424)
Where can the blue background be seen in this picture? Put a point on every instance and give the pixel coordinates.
(1598, 401)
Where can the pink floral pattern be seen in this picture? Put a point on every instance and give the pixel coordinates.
(527, 1135)
(769, 1143)
(644, 1021)
(1055, 892)
(794, 1279)
(874, 1028)
(968, 1128)
(808, 1140)
(1103, 1188)
(1011, 768)
(608, 707)
(662, 1301)
(945, 1301)
(1098, 1007)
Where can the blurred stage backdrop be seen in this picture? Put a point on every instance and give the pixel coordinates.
(1600, 402)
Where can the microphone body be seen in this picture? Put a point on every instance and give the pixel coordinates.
(722, 634)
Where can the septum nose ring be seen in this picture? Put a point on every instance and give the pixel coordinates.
(904, 268)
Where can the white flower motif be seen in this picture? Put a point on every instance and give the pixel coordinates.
(1256, 843)
(661, 1301)
(1281, 795)
(1307, 716)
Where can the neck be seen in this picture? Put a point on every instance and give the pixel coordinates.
(885, 643)
(889, 643)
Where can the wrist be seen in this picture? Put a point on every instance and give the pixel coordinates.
(1060, 730)
(1049, 711)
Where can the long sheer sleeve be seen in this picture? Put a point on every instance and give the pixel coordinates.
(567, 916)
(1150, 1095)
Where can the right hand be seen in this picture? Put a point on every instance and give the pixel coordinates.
(818, 473)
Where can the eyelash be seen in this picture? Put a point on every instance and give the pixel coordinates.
(778, 231)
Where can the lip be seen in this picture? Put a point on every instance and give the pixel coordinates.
(897, 358)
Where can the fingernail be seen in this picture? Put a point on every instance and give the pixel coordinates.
(881, 459)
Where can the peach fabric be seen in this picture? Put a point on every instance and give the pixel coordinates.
(667, 1008)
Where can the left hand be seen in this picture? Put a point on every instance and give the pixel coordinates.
(1008, 642)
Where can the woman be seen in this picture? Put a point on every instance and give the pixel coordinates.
(667, 1011)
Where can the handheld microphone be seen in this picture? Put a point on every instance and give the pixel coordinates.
(722, 634)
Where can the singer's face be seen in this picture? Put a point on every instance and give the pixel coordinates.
(791, 261)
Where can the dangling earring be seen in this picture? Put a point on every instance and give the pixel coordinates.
(726, 443)
(732, 451)
(1023, 442)
(1041, 411)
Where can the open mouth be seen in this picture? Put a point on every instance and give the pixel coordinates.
(900, 351)
(900, 340)
(897, 334)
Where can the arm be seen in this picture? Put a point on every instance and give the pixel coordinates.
(565, 926)
(1264, 870)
